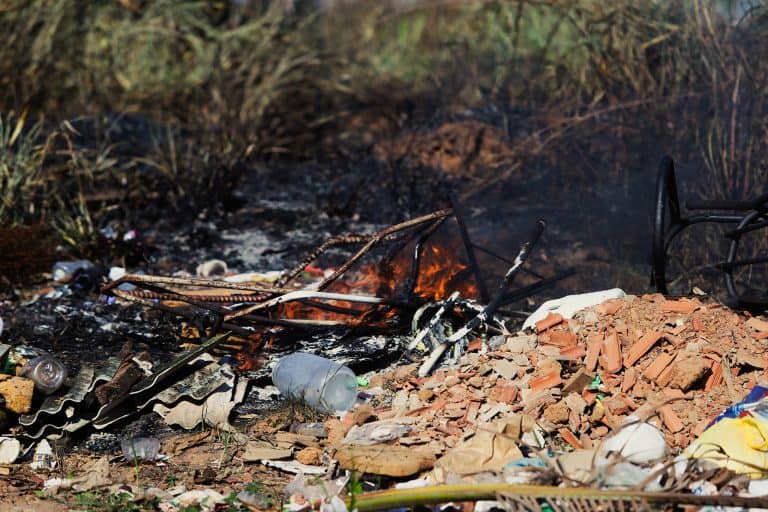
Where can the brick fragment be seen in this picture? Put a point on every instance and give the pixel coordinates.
(559, 338)
(658, 365)
(609, 307)
(504, 393)
(688, 372)
(570, 438)
(665, 376)
(546, 381)
(757, 324)
(715, 378)
(573, 352)
(610, 361)
(557, 413)
(629, 380)
(684, 306)
(641, 347)
(671, 420)
(594, 345)
(551, 320)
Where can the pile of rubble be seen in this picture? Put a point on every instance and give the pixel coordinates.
(565, 387)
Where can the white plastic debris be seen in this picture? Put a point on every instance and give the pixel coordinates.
(116, 273)
(638, 442)
(47, 372)
(63, 271)
(1, 326)
(757, 488)
(376, 432)
(212, 268)
(204, 499)
(43, 459)
(290, 466)
(145, 448)
(571, 304)
(9, 449)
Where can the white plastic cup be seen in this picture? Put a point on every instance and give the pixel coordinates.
(323, 384)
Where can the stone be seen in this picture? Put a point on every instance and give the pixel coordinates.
(426, 395)
(451, 380)
(687, 372)
(17, 392)
(309, 456)
(395, 461)
(557, 413)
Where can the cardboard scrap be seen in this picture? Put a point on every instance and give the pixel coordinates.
(490, 449)
(382, 459)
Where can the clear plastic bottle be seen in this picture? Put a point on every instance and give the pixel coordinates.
(323, 384)
(47, 372)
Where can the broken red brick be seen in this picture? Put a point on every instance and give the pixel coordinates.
(611, 358)
(609, 307)
(697, 324)
(615, 405)
(666, 375)
(671, 419)
(757, 324)
(551, 320)
(641, 347)
(570, 438)
(573, 352)
(688, 372)
(594, 345)
(680, 306)
(546, 381)
(715, 378)
(589, 396)
(475, 345)
(505, 393)
(557, 413)
(559, 338)
(658, 365)
(629, 380)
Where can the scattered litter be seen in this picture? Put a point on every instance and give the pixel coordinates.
(10, 448)
(204, 499)
(64, 271)
(256, 451)
(376, 432)
(43, 459)
(47, 372)
(320, 382)
(295, 467)
(95, 475)
(305, 494)
(216, 408)
(636, 441)
(142, 448)
(569, 305)
(212, 268)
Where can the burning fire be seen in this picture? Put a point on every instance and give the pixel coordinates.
(441, 272)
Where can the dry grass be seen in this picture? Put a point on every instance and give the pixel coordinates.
(603, 82)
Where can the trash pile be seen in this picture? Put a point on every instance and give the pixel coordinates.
(662, 399)
(626, 394)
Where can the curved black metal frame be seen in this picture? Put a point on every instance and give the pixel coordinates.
(669, 222)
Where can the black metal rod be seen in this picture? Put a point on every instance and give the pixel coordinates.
(522, 256)
(469, 248)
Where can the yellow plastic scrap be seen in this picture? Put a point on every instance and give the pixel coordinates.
(738, 444)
